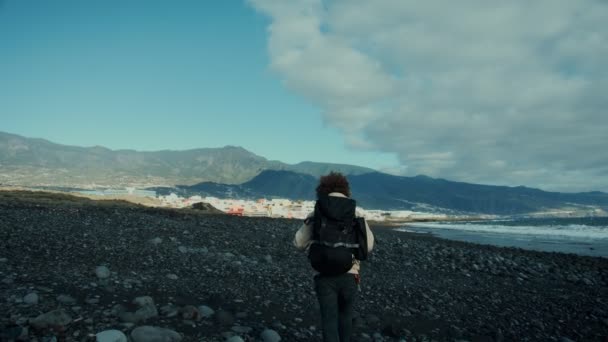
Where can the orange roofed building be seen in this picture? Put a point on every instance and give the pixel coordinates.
(237, 211)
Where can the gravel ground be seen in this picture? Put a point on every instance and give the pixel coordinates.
(73, 268)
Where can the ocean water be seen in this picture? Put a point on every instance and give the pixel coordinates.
(583, 236)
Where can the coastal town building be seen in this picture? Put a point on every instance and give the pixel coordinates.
(261, 207)
(282, 208)
(120, 192)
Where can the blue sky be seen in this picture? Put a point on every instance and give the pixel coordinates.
(154, 75)
(506, 93)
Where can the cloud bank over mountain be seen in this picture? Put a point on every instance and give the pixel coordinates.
(487, 92)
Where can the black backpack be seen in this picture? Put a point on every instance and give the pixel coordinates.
(336, 236)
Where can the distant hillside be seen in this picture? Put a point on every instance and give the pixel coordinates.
(318, 169)
(387, 191)
(237, 173)
(381, 191)
(28, 162)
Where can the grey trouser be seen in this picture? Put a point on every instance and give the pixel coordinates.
(336, 296)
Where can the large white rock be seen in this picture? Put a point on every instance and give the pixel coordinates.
(111, 336)
(148, 333)
(102, 272)
(51, 318)
(206, 311)
(31, 298)
(156, 241)
(269, 335)
(146, 312)
(143, 301)
(147, 309)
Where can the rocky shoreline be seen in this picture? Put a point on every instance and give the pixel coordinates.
(74, 268)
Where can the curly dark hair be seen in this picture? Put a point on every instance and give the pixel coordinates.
(333, 182)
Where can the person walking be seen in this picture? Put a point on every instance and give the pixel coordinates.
(333, 243)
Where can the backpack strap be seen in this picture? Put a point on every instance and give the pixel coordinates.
(337, 244)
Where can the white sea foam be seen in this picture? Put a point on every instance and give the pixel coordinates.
(574, 231)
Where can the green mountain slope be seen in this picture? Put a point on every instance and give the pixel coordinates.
(27, 161)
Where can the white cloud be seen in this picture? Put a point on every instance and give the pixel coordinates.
(481, 91)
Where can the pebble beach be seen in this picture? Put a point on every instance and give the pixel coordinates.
(73, 269)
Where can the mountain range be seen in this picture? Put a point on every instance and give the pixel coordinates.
(237, 173)
(27, 161)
